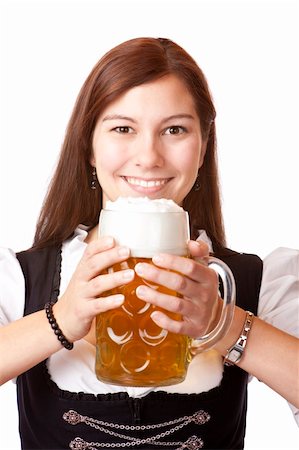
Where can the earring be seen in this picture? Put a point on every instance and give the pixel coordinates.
(93, 183)
(197, 184)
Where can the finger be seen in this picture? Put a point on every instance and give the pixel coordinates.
(186, 266)
(198, 281)
(98, 245)
(199, 251)
(174, 326)
(103, 304)
(170, 280)
(99, 259)
(171, 303)
(185, 326)
(106, 282)
(195, 316)
(76, 321)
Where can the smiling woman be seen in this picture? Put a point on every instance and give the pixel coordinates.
(155, 151)
(143, 125)
(146, 87)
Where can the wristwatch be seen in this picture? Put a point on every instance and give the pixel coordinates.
(235, 353)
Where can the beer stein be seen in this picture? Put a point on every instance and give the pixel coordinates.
(131, 350)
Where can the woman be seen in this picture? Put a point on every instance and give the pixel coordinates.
(143, 124)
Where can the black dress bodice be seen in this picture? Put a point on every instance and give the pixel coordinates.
(51, 418)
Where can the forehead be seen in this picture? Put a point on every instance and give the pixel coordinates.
(167, 95)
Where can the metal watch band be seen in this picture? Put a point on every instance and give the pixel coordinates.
(235, 353)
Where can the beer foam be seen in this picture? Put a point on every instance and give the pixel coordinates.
(146, 226)
(143, 204)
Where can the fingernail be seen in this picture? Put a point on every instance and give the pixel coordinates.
(140, 291)
(123, 251)
(118, 299)
(128, 274)
(139, 269)
(157, 259)
(155, 316)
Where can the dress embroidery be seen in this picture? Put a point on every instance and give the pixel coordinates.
(192, 443)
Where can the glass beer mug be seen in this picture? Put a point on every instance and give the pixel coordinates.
(131, 350)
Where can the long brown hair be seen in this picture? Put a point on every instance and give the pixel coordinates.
(70, 201)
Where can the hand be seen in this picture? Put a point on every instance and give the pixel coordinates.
(197, 284)
(82, 300)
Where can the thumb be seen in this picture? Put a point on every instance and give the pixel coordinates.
(199, 251)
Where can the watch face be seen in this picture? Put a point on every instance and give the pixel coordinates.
(234, 355)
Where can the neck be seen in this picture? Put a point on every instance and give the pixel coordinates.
(92, 235)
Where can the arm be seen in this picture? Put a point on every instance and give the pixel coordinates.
(271, 354)
(24, 343)
(29, 340)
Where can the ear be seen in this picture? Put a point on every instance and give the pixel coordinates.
(202, 153)
(92, 160)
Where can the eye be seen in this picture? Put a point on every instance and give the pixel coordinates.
(123, 130)
(175, 129)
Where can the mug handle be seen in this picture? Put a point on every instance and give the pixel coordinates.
(229, 299)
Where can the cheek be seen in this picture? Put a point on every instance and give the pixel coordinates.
(187, 167)
(188, 163)
(108, 157)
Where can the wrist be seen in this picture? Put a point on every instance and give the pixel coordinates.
(55, 326)
(233, 333)
(235, 353)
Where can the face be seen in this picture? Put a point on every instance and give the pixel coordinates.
(148, 143)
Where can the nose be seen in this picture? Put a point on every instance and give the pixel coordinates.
(148, 152)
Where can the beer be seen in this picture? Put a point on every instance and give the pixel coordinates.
(132, 349)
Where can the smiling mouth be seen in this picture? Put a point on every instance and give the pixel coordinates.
(153, 183)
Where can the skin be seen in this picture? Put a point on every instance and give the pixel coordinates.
(154, 151)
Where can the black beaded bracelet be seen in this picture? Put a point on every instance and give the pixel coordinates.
(55, 327)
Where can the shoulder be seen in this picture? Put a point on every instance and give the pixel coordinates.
(247, 270)
(9, 264)
(40, 266)
(279, 298)
(35, 257)
(282, 261)
(241, 262)
(12, 287)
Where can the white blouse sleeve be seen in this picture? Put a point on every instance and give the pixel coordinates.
(279, 295)
(12, 287)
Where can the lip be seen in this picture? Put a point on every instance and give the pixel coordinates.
(146, 185)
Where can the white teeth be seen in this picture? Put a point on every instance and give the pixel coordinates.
(146, 184)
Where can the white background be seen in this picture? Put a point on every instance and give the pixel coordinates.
(249, 53)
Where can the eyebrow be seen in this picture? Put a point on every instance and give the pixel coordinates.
(117, 117)
(179, 116)
(130, 119)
